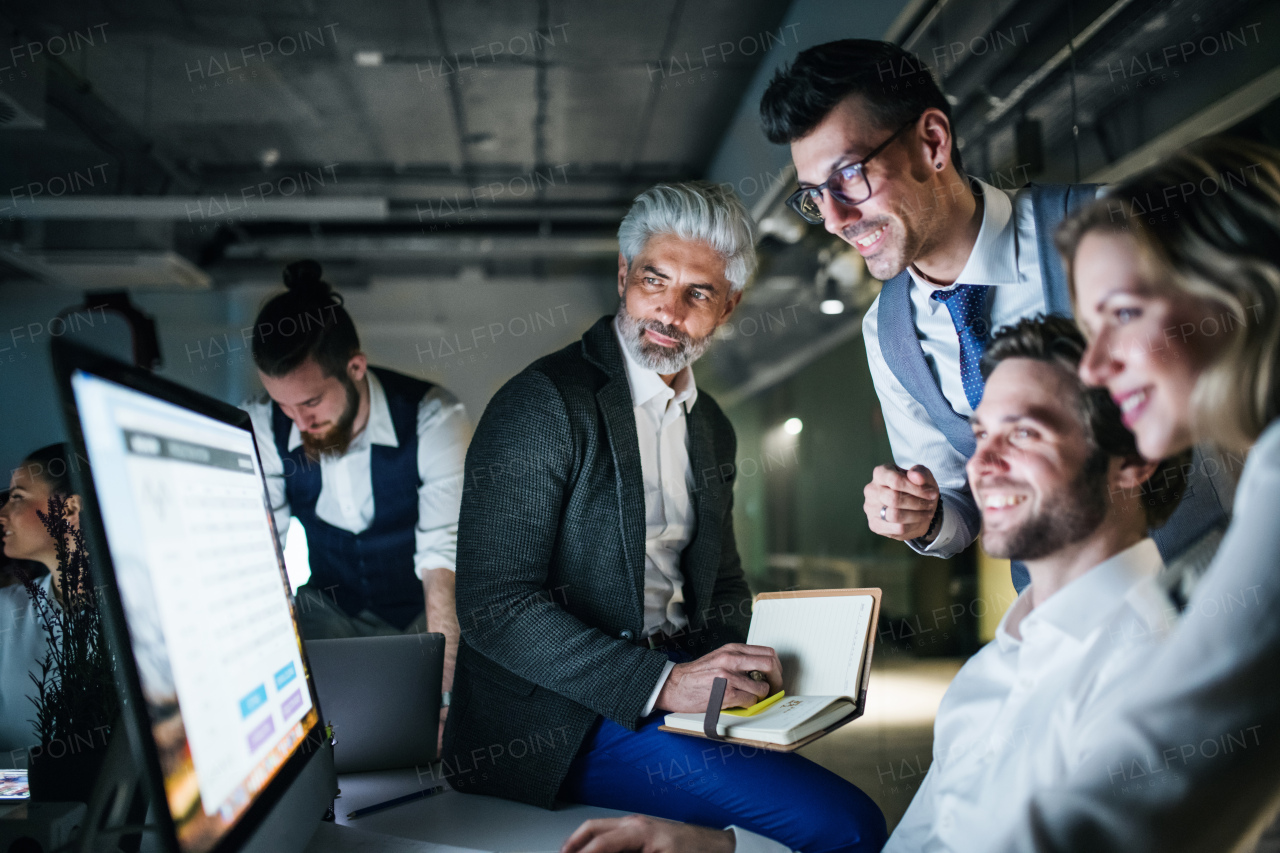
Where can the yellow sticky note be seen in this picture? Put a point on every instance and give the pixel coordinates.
(756, 708)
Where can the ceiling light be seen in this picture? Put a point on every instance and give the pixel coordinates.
(483, 141)
(786, 225)
(368, 58)
(831, 301)
(793, 426)
(847, 269)
(270, 157)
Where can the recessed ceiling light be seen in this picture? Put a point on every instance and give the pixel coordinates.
(831, 302)
(483, 141)
(368, 58)
(793, 426)
(270, 157)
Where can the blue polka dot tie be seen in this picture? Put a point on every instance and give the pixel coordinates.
(967, 304)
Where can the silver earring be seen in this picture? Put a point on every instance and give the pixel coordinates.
(937, 165)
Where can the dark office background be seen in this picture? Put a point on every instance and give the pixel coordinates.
(459, 168)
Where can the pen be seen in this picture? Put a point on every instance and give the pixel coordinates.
(407, 798)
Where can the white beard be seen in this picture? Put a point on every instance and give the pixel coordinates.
(663, 360)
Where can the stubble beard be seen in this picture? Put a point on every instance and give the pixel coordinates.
(1076, 513)
(914, 241)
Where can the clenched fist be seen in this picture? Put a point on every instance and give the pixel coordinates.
(908, 500)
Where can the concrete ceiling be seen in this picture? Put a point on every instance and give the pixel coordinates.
(210, 143)
(513, 117)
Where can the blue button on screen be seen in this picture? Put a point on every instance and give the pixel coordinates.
(286, 675)
(255, 700)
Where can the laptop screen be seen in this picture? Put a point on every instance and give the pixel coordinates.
(205, 598)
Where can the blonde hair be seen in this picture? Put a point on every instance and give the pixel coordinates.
(1206, 221)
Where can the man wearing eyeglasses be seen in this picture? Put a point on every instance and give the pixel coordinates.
(879, 166)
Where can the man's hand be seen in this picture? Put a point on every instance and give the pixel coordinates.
(646, 835)
(908, 499)
(442, 618)
(688, 687)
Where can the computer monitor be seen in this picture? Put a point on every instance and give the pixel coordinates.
(217, 693)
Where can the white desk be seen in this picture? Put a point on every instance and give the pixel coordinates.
(451, 820)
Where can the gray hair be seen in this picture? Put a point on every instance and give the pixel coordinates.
(693, 210)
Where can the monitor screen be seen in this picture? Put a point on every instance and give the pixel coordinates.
(205, 597)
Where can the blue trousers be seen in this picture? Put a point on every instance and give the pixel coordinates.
(779, 795)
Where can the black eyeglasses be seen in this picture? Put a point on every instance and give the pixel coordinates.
(847, 185)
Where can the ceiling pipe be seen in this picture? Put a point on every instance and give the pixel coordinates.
(416, 248)
(201, 210)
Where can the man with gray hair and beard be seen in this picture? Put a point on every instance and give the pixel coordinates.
(599, 586)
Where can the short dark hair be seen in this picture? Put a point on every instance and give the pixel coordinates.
(52, 465)
(1057, 340)
(896, 85)
(306, 321)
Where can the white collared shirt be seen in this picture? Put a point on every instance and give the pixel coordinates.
(1188, 761)
(670, 519)
(1006, 256)
(1024, 711)
(662, 429)
(346, 492)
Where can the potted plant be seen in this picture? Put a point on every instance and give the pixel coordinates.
(76, 701)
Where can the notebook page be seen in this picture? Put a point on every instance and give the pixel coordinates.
(819, 641)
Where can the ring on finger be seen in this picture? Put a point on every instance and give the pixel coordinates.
(883, 509)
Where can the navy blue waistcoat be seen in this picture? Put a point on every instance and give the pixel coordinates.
(371, 570)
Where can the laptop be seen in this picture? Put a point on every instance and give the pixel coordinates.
(382, 696)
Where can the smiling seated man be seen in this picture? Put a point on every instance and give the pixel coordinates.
(1062, 487)
(599, 585)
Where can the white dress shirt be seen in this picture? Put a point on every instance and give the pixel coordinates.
(1023, 711)
(23, 643)
(662, 429)
(346, 492)
(1189, 760)
(1006, 256)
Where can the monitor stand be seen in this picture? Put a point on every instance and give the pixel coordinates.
(293, 820)
(287, 828)
(111, 805)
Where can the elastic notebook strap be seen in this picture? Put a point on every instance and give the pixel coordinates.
(712, 719)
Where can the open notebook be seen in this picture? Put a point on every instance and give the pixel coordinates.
(824, 641)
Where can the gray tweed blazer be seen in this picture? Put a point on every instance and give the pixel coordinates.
(550, 582)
